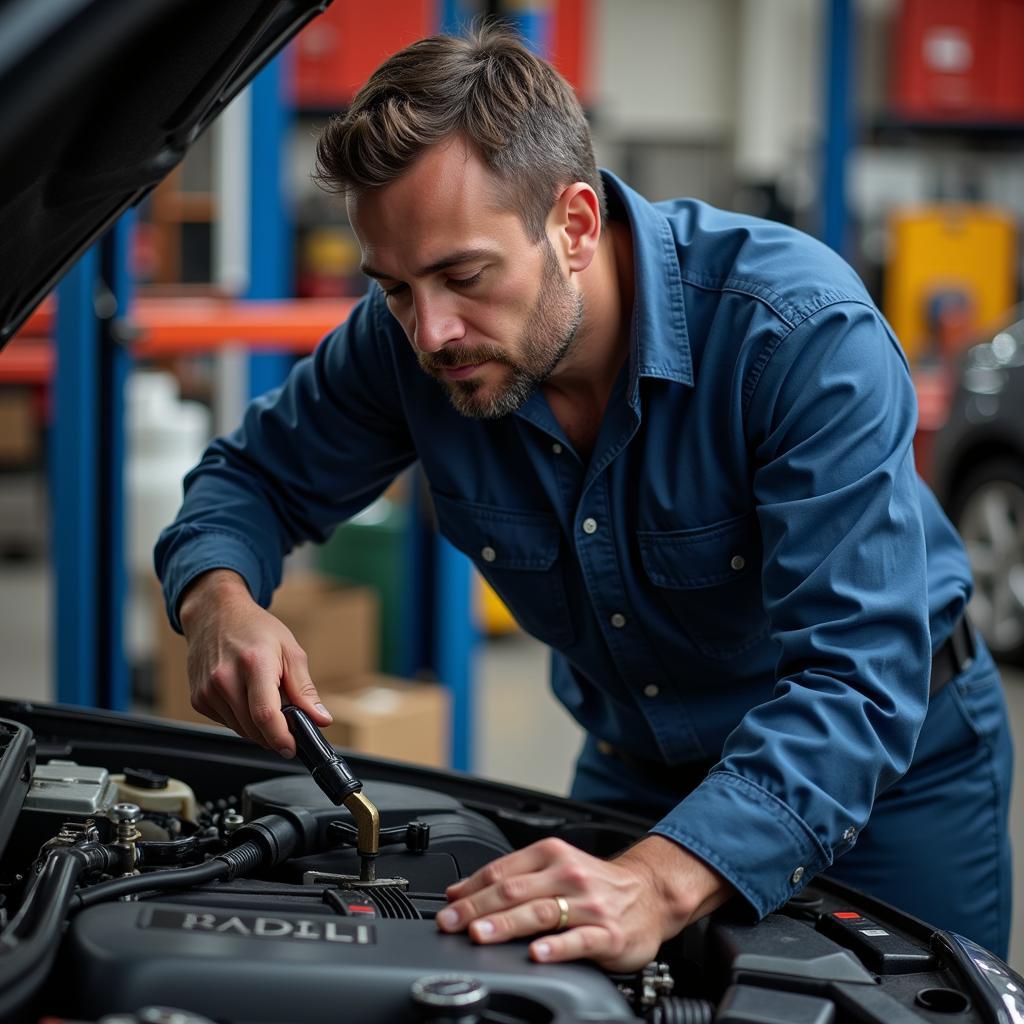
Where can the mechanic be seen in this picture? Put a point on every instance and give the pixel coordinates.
(677, 441)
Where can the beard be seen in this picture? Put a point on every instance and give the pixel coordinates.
(547, 336)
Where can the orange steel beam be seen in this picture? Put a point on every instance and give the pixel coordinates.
(39, 323)
(169, 327)
(26, 361)
(182, 327)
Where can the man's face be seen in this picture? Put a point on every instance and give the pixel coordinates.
(488, 311)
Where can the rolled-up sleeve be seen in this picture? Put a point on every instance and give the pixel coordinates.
(829, 424)
(307, 456)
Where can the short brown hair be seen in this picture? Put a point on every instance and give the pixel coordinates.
(513, 108)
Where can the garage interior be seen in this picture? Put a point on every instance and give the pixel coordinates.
(878, 125)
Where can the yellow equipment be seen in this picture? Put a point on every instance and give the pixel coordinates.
(948, 249)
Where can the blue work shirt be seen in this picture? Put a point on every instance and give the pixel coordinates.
(747, 568)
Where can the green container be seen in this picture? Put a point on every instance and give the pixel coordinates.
(370, 549)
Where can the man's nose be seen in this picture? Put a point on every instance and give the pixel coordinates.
(435, 324)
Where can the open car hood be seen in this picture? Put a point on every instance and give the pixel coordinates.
(99, 100)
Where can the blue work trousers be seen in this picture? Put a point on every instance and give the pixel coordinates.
(937, 844)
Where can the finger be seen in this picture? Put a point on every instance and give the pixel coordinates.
(201, 694)
(223, 694)
(221, 709)
(204, 707)
(532, 858)
(591, 942)
(536, 916)
(225, 715)
(298, 688)
(218, 697)
(509, 892)
(265, 711)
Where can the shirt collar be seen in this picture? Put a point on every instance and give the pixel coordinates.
(660, 340)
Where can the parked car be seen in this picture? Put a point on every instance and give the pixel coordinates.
(978, 475)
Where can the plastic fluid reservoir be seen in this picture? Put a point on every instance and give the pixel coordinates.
(153, 791)
(166, 439)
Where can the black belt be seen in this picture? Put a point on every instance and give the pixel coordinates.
(955, 654)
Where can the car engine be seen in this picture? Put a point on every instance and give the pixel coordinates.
(176, 877)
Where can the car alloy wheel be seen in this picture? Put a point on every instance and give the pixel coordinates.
(988, 510)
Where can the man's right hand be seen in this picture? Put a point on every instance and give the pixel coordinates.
(243, 663)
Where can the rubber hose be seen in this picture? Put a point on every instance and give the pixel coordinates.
(177, 878)
(242, 859)
(681, 1010)
(31, 940)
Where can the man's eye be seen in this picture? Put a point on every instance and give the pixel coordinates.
(466, 282)
(393, 290)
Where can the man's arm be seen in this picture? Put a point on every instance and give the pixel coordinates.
(829, 426)
(306, 457)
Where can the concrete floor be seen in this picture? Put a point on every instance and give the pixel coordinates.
(523, 735)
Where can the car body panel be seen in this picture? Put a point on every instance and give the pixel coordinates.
(977, 473)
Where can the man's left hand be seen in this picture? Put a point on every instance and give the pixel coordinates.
(619, 911)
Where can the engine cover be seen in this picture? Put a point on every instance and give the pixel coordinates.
(255, 966)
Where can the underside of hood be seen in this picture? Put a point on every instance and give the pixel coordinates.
(99, 100)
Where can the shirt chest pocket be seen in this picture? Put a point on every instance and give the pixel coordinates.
(517, 553)
(710, 580)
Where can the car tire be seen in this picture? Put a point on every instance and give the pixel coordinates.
(988, 511)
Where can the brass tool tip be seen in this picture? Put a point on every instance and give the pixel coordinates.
(367, 819)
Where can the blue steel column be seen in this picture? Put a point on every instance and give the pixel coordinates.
(454, 626)
(532, 20)
(455, 636)
(455, 642)
(114, 679)
(87, 457)
(74, 484)
(454, 15)
(270, 236)
(838, 122)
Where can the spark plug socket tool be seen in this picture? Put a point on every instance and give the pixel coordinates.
(331, 773)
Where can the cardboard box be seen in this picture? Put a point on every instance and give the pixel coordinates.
(394, 718)
(19, 434)
(337, 626)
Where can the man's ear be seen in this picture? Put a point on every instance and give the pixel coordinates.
(574, 225)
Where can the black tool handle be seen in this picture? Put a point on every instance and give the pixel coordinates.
(329, 770)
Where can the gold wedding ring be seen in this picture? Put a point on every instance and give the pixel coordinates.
(563, 913)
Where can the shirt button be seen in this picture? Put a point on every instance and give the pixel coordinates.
(556, 448)
(651, 690)
(796, 876)
(488, 554)
(618, 620)
(849, 833)
(589, 525)
(738, 561)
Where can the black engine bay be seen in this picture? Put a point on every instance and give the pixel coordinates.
(154, 872)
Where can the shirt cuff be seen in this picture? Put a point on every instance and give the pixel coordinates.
(212, 550)
(749, 836)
